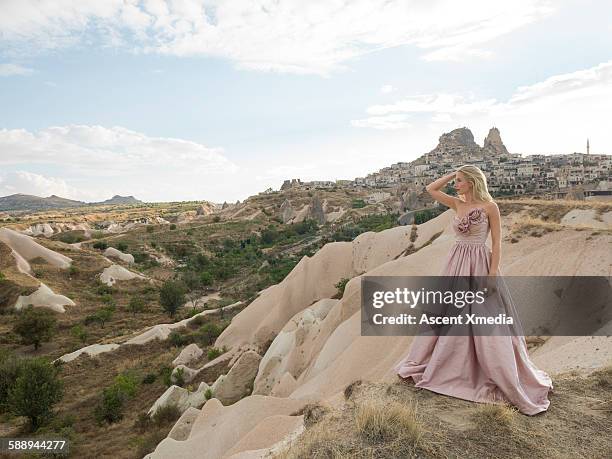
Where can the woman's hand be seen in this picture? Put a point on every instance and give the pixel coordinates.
(491, 283)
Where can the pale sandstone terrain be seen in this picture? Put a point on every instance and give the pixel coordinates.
(309, 343)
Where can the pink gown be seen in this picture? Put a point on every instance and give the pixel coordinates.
(485, 369)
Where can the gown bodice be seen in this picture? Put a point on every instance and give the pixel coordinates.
(471, 228)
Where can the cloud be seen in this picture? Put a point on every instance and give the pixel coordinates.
(434, 103)
(36, 184)
(556, 114)
(386, 89)
(317, 36)
(14, 69)
(448, 107)
(595, 78)
(394, 121)
(115, 150)
(95, 162)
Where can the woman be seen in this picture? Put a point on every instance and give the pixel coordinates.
(487, 369)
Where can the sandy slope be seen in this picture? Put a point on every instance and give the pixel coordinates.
(332, 353)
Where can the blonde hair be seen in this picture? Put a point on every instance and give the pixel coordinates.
(478, 180)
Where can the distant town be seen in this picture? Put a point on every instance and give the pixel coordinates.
(550, 176)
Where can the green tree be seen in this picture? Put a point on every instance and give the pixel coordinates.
(35, 326)
(104, 314)
(206, 278)
(209, 332)
(9, 371)
(172, 296)
(136, 305)
(36, 390)
(79, 333)
(110, 407)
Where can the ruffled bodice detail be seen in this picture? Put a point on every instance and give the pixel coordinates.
(473, 227)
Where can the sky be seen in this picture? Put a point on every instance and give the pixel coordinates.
(219, 100)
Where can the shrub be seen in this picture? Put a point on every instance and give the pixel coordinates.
(209, 332)
(149, 378)
(136, 305)
(171, 297)
(172, 227)
(110, 407)
(166, 415)
(35, 326)
(9, 371)
(150, 229)
(179, 377)
(358, 203)
(191, 280)
(100, 245)
(208, 393)
(1, 277)
(35, 391)
(213, 353)
(216, 219)
(341, 285)
(108, 299)
(141, 257)
(103, 315)
(126, 383)
(176, 339)
(166, 374)
(268, 236)
(79, 333)
(122, 246)
(73, 270)
(104, 289)
(70, 238)
(425, 215)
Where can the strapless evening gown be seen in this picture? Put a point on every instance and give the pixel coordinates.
(486, 369)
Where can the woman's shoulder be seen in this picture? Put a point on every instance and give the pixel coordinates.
(490, 207)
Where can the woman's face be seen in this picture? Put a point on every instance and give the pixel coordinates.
(462, 186)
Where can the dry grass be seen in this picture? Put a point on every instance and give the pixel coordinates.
(379, 421)
(603, 377)
(551, 210)
(369, 424)
(494, 417)
(536, 227)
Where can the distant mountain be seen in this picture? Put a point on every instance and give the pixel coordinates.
(119, 200)
(32, 203)
(29, 202)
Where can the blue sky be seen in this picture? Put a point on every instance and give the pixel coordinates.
(217, 100)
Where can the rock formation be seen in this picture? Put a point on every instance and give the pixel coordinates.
(188, 354)
(458, 141)
(287, 212)
(316, 210)
(116, 273)
(114, 253)
(493, 143)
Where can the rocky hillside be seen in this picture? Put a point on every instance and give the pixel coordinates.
(297, 351)
(268, 339)
(25, 202)
(28, 203)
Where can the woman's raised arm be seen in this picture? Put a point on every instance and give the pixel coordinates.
(434, 190)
